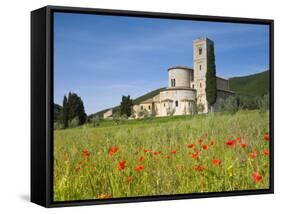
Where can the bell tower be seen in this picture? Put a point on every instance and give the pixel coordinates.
(200, 58)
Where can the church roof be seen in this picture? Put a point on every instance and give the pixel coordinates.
(180, 67)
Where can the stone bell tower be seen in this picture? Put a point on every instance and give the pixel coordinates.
(200, 58)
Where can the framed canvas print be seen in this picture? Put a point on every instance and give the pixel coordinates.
(131, 106)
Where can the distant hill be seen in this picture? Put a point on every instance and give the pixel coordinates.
(251, 85)
(148, 95)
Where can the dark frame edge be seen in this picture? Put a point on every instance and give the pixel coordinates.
(39, 153)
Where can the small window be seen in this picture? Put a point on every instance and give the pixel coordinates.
(200, 85)
(149, 107)
(177, 103)
(141, 107)
(200, 67)
(173, 82)
(192, 86)
(200, 51)
(164, 105)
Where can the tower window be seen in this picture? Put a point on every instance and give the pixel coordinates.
(200, 51)
(164, 105)
(173, 82)
(200, 85)
(177, 103)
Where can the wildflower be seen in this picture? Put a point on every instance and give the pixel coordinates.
(266, 136)
(86, 153)
(200, 141)
(199, 168)
(112, 150)
(167, 156)
(243, 145)
(256, 177)
(173, 152)
(104, 196)
(205, 147)
(253, 155)
(266, 152)
(141, 158)
(230, 143)
(238, 139)
(129, 179)
(190, 145)
(156, 153)
(195, 155)
(216, 162)
(121, 165)
(139, 168)
(212, 143)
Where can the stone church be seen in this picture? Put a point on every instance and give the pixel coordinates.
(186, 87)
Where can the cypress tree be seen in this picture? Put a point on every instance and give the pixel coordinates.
(65, 112)
(126, 106)
(76, 108)
(211, 80)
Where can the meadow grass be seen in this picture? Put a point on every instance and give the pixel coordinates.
(172, 155)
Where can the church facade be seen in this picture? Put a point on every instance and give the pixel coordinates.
(186, 87)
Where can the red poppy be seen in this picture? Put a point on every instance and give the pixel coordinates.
(195, 155)
(205, 147)
(156, 153)
(231, 143)
(266, 136)
(129, 179)
(253, 155)
(256, 177)
(190, 145)
(238, 139)
(122, 165)
(86, 153)
(266, 152)
(141, 158)
(139, 168)
(216, 162)
(199, 168)
(243, 145)
(173, 152)
(112, 150)
(146, 150)
(167, 156)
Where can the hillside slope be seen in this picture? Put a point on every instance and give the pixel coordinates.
(251, 85)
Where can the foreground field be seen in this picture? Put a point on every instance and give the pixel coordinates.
(210, 153)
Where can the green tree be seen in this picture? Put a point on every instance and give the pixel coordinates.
(76, 108)
(65, 113)
(126, 106)
(211, 80)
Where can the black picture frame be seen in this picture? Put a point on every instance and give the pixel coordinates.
(42, 100)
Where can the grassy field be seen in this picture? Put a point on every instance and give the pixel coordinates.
(160, 156)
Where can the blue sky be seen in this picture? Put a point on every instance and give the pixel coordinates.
(102, 58)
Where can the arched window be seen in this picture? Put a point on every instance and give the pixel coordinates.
(149, 107)
(200, 51)
(200, 67)
(177, 103)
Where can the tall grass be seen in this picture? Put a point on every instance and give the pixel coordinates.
(84, 169)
